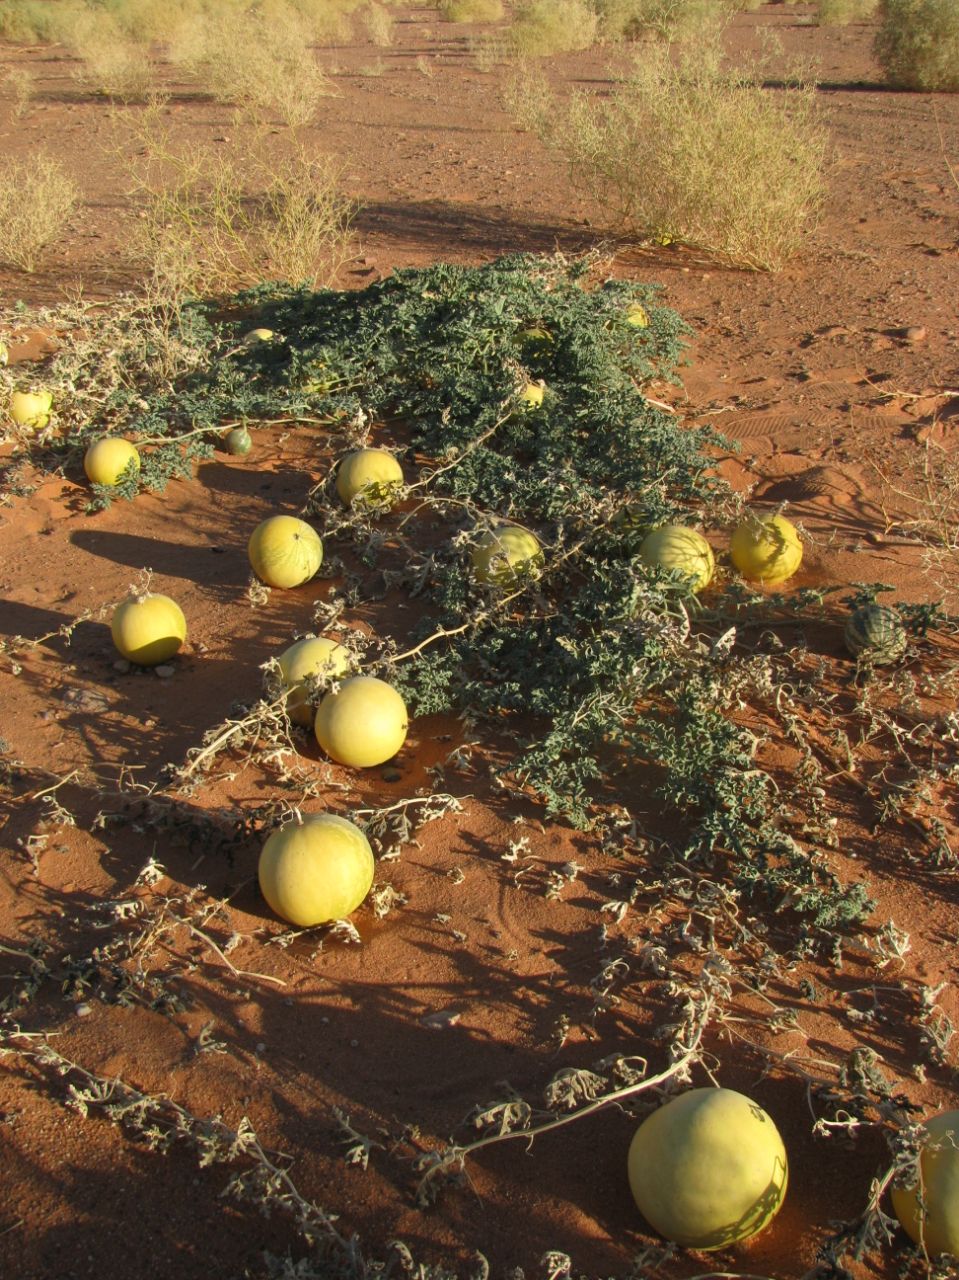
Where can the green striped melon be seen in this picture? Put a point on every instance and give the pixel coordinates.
(875, 633)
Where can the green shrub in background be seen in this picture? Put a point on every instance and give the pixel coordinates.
(917, 44)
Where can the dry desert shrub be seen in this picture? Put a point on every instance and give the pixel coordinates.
(673, 20)
(31, 21)
(260, 60)
(378, 22)
(839, 13)
(327, 21)
(112, 63)
(215, 219)
(917, 44)
(36, 200)
(688, 152)
(544, 27)
(148, 21)
(472, 10)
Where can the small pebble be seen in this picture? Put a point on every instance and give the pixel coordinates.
(914, 333)
(261, 1047)
(164, 671)
(354, 1044)
(441, 1019)
(122, 665)
(83, 1010)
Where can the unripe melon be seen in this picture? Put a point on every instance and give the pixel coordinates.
(238, 442)
(876, 634)
(708, 1168)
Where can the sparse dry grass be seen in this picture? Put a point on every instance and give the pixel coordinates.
(36, 200)
(691, 153)
(19, 81)
(922, 502)
(917, 44)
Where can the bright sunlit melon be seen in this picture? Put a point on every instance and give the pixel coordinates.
(148, 629)
(532, 394)
(933, 1219)
(373, 471)
(708, 1168)
(637, 316)
(506, 556)
(676, 547)
(256, 336)
(363, 724)
(766, 549)
(30, 409)
(318, 657)
(317, 870)
(106, 460)
(285, 551)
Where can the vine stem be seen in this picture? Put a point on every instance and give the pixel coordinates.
(235, 728)
(457, 1154)
(445, 632)
(239, 973)
(474, 444)
(225, 426)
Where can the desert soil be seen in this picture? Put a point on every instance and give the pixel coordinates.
(836, 375)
